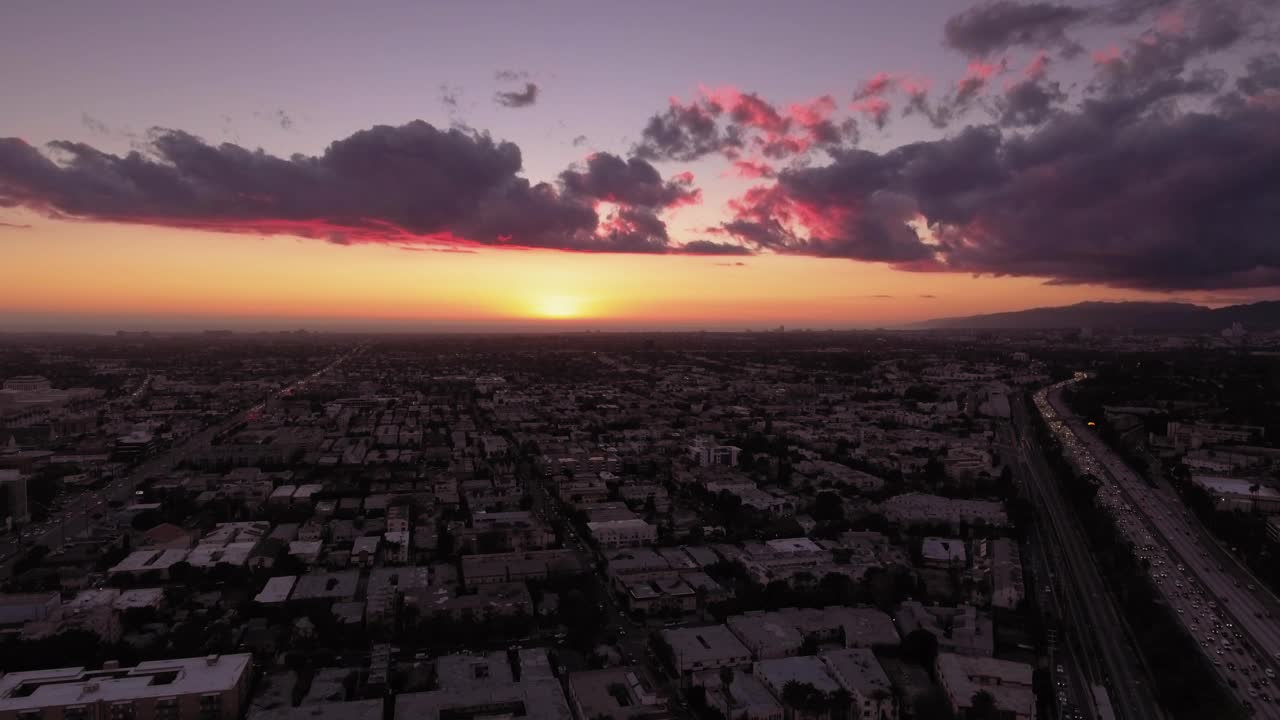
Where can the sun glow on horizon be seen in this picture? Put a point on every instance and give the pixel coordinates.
(559, 307)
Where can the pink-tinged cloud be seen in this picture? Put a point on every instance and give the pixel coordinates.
(875, 108)
(1106, 55)
(751, 170)
(876, 85)
(1172, 21)
(1038, 68)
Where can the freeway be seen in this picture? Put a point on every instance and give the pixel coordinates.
(78, 513)
(1218, 602)
(1095, 619)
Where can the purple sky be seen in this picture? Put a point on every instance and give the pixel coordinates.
(1119, 144)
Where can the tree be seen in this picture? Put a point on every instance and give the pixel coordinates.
(921, 647)
(827, 507)
(726, 678)
(982, 706)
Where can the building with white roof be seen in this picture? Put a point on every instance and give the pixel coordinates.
(1248, 495)
(1008, 683)
(943, 552)
(208, 688)
(710, 646)
(858, 671)
(622, 533)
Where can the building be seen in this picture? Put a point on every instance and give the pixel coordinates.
(1239, 494)
(668, 594)
(805, 669)
(708, 453)
(1004, 561)
(209, 688)
(534, 700)
(514, 566)
(623, 693)
(701, 648)
(1008, 683)
(461, 672)
(746, 698)
(858, 671)
(622, 533)
(27, 383)
(943, 552)
(962, 630)
(14, 508)
(766, 635)
(18, 609)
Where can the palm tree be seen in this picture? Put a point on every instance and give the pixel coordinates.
(982, 706)
(841, 704)
(878, 696)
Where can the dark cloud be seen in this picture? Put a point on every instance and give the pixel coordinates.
(711, 247)
(609, 178)
(1262, 74)
(579, 140)
(729, 122)
(412, 185)
(285, 120)
(376, 185)
(511, 76)
(518, 98)
(685, 133)
(996, 26)
(1029, 102)
(1165, 202)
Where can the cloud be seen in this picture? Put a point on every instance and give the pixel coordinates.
(411, 185)
(511, 76)
(284, 119)
(730, 264)
(926, 296)
(450, 96)
(1166, 202)
(14, 226)
(1029, 102)
(579, 140)
(518, 98)
(999, 25)
(731, 122)
(752, 170)
(686, 132)
(609, 178)
(711, 247)
(94, 125)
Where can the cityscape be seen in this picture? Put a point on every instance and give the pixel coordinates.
(412, 360)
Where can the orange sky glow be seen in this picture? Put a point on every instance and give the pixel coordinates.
(100, 269)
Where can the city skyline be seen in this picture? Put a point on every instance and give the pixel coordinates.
(631, 168)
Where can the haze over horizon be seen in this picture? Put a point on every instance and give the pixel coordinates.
(641, 167)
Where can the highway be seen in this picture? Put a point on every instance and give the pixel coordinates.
(1108, 656)
(1233, 624)
(79, 512)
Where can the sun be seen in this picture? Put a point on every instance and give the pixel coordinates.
(558, 307)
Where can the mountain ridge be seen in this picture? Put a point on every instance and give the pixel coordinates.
(1118, 315)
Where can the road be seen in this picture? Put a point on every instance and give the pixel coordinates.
(1107, 656)
(79, 512)
(1234, 625)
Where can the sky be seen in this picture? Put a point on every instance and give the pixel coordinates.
(662, 165)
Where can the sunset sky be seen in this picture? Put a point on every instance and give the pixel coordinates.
(516, 166)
